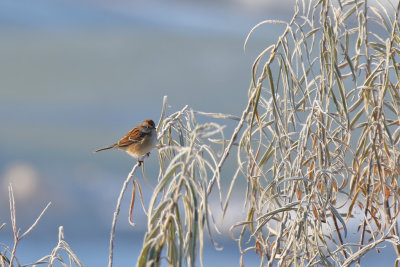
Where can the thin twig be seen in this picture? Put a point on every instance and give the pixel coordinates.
(36, 222)
(16, 232)
(13, 223)
(116, 212)
(356, 256)
(231, 141)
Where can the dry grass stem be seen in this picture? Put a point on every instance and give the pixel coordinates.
(116, 212)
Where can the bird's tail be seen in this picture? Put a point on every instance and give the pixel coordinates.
(104, 148)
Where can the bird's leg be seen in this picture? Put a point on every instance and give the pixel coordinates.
(141, 158)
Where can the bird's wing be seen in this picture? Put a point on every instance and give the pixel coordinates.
(133, 136)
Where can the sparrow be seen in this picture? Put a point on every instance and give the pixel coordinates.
(138, 141)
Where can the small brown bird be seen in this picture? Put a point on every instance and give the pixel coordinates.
(138, 141)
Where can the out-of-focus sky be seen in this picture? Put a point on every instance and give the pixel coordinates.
(77, 75)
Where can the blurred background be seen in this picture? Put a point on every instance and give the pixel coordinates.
(77, 75)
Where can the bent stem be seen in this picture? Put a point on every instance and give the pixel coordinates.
(16, 233)
(116, 212)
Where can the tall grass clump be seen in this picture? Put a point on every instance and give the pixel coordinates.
(179, 215)
(318, 146)
(321, 148)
